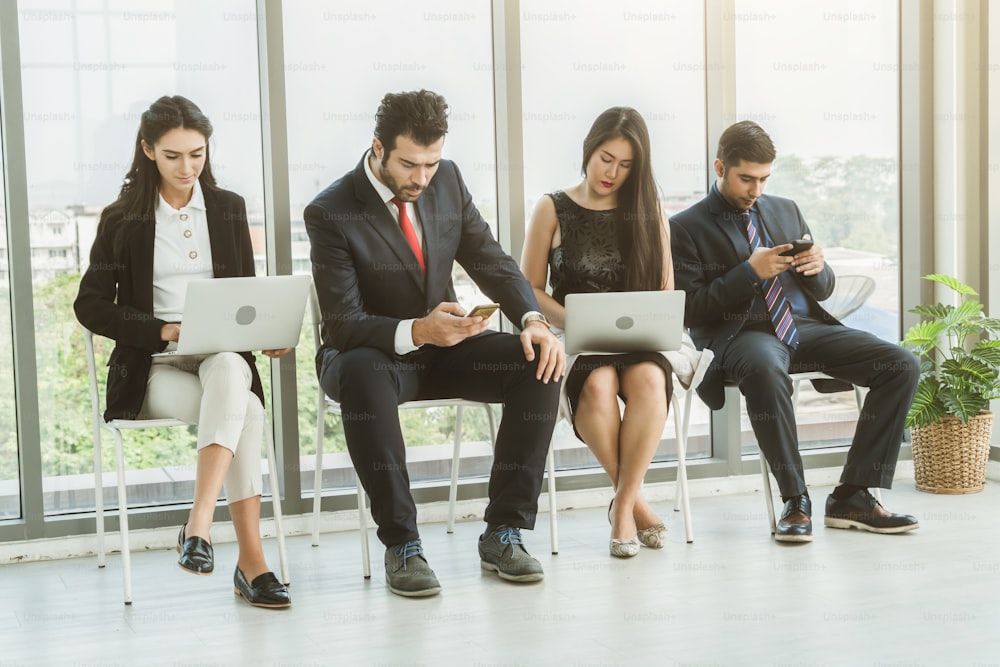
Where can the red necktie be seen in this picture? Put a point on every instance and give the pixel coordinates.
(410, 233)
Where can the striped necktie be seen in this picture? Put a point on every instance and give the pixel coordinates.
(774, 297)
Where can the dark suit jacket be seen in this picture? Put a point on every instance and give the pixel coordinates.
(366, 276)
(116, 293)
(709, 249)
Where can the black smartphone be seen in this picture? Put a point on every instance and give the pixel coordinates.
(484, 310)
(798, 245)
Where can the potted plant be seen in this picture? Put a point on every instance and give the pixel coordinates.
(950, 419)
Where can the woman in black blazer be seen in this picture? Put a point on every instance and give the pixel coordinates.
(170, 224)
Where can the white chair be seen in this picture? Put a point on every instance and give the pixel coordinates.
(115, 427)
(328, 405)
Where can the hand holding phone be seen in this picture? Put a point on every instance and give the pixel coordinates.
(484, 310)
(798, 245)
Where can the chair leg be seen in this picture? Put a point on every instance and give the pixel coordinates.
(681, 418)
(279, 530)
(318, 472)
(363, 527)
(99, 496)
(553, 506)
(455, 458)
(123, 518)
(766, 477)
(795, 395)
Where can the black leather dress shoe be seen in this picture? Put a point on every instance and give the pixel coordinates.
(795, 524)
(265, 591)
(196, 554)
(861, 510)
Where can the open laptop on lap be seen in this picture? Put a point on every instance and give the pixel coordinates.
(624, 321)
(242, 314)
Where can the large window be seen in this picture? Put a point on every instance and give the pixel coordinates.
(10, 487)
(340, 60)
(89, 70)
(575, 64)
(831, 106)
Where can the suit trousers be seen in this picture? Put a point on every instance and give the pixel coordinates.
(213, 391)
(370, 385)
(760, 365)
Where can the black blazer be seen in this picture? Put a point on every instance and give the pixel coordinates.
(709, 249)
(366, 276)
(116, 293)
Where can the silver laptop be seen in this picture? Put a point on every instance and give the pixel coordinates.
(624, 321)
(242, 314)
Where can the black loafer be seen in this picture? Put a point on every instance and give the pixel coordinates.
(795, 524)
(265, 591)
(860, 510)
(196, 554)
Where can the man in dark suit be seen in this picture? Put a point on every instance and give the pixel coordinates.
(755, 304)
(384, 239)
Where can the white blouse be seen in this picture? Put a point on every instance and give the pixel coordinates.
(182, 251)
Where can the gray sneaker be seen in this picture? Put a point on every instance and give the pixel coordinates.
(503, 552)
(407, 572)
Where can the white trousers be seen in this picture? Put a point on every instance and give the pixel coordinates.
(213, 391)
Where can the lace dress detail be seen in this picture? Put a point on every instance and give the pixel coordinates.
(588, 258)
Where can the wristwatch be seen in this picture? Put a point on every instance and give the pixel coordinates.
(536, 317)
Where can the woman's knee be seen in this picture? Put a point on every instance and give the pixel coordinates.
(601, 386)
(644, 379)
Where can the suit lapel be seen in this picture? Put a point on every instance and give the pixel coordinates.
(427, 209)
(224, 263)
(378, 216)
(729, 223)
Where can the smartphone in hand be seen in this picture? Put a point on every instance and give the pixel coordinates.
(798, 245)
(484, 310)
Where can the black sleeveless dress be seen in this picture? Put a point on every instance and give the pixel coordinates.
(589, 259)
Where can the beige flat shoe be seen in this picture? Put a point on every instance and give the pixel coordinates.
(653, 537)
(624, 548)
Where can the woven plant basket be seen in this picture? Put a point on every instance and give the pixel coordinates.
(951, 457)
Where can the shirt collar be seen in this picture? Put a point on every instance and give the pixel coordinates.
(381, 188)
(197, 201)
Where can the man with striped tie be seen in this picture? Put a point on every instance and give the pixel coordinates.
(753, 298)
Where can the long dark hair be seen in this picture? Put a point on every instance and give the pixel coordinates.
(638, 213)
(137, 200)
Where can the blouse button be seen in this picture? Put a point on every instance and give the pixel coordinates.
(193, 255)
(187, 233)
(184, 216)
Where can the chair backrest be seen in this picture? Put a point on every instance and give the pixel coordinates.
(849, 293)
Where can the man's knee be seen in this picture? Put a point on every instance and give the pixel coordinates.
(902, 364)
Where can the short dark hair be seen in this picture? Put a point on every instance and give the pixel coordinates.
(745, 140)
(418, 114)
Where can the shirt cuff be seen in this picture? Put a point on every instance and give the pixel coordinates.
(752, 275)
(525, 316)
(403, 342)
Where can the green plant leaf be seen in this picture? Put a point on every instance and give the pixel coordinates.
(926, 407)
(924, 334)
(988, 354)
(962, 405)
(990, 324)
(938, 311)
(971, 370)
(953, 283)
